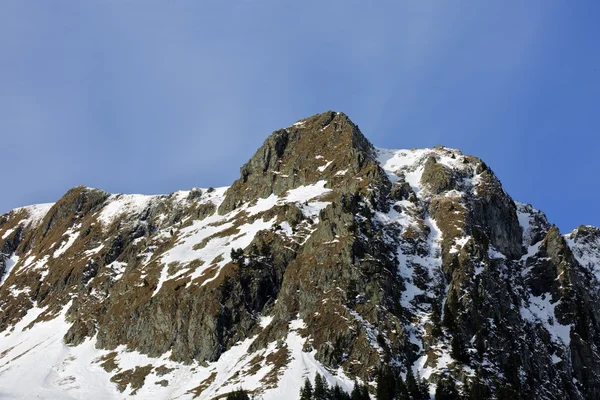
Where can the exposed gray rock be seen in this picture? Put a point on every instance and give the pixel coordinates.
(436, 177)
(496, 213)
(291, 157)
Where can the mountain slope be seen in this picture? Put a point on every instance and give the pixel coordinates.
(354, 259)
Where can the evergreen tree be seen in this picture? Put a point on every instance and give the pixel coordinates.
(412, 385)
(360, 392)
(355, 394)
(480, 344)
(436, 319)
(477, 389)
(418, 389)
(458, 350)
(337, 393)
(401, 390)
(386, 385)
(505, 391)
(424, 389)
(237, 256)
(239, 394)
(446, 389)
(365, 393)
(306, 392)
(321, 388)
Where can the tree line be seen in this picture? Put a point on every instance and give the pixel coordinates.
(391, 386)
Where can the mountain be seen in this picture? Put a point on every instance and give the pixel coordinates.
(327, 256)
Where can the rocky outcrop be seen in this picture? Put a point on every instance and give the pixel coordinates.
(437, 177)
(314, 149)
(2, 265)
(496, 213)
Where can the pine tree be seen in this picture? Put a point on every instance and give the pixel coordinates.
(306, 392)
(337, 393)
(386, 385)
(477, 389)
(239, 394)
(480, 344)
(412, 386)
(321, 388)
(418, 388)
(356, 392)
(505, 391)
(401, 390)
(424, 389)
(458, 351)
(365, 393)
(446, 389)
(237, 256)
(436, 319)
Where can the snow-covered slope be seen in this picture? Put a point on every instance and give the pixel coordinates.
(61, 371)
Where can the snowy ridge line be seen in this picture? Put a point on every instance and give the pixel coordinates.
(34, 216)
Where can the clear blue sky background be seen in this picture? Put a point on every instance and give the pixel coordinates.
(156, 96)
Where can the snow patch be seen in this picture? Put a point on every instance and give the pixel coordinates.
(36, 213)
(119, 204)
(542, 310)
(459, 244)
(10, 263)
(265, 321)
(72, 234)
(324, 167)
(7, 233)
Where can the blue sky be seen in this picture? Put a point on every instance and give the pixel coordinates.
(156, 96)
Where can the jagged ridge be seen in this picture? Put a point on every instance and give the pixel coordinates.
(354, 258)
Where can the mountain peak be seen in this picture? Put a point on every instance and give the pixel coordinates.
(326, 255)
(326, 146)
(339, 123)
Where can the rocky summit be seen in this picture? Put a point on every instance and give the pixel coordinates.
(328, 261)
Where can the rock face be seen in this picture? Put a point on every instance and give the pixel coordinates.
(326, 255)
(309, 151)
